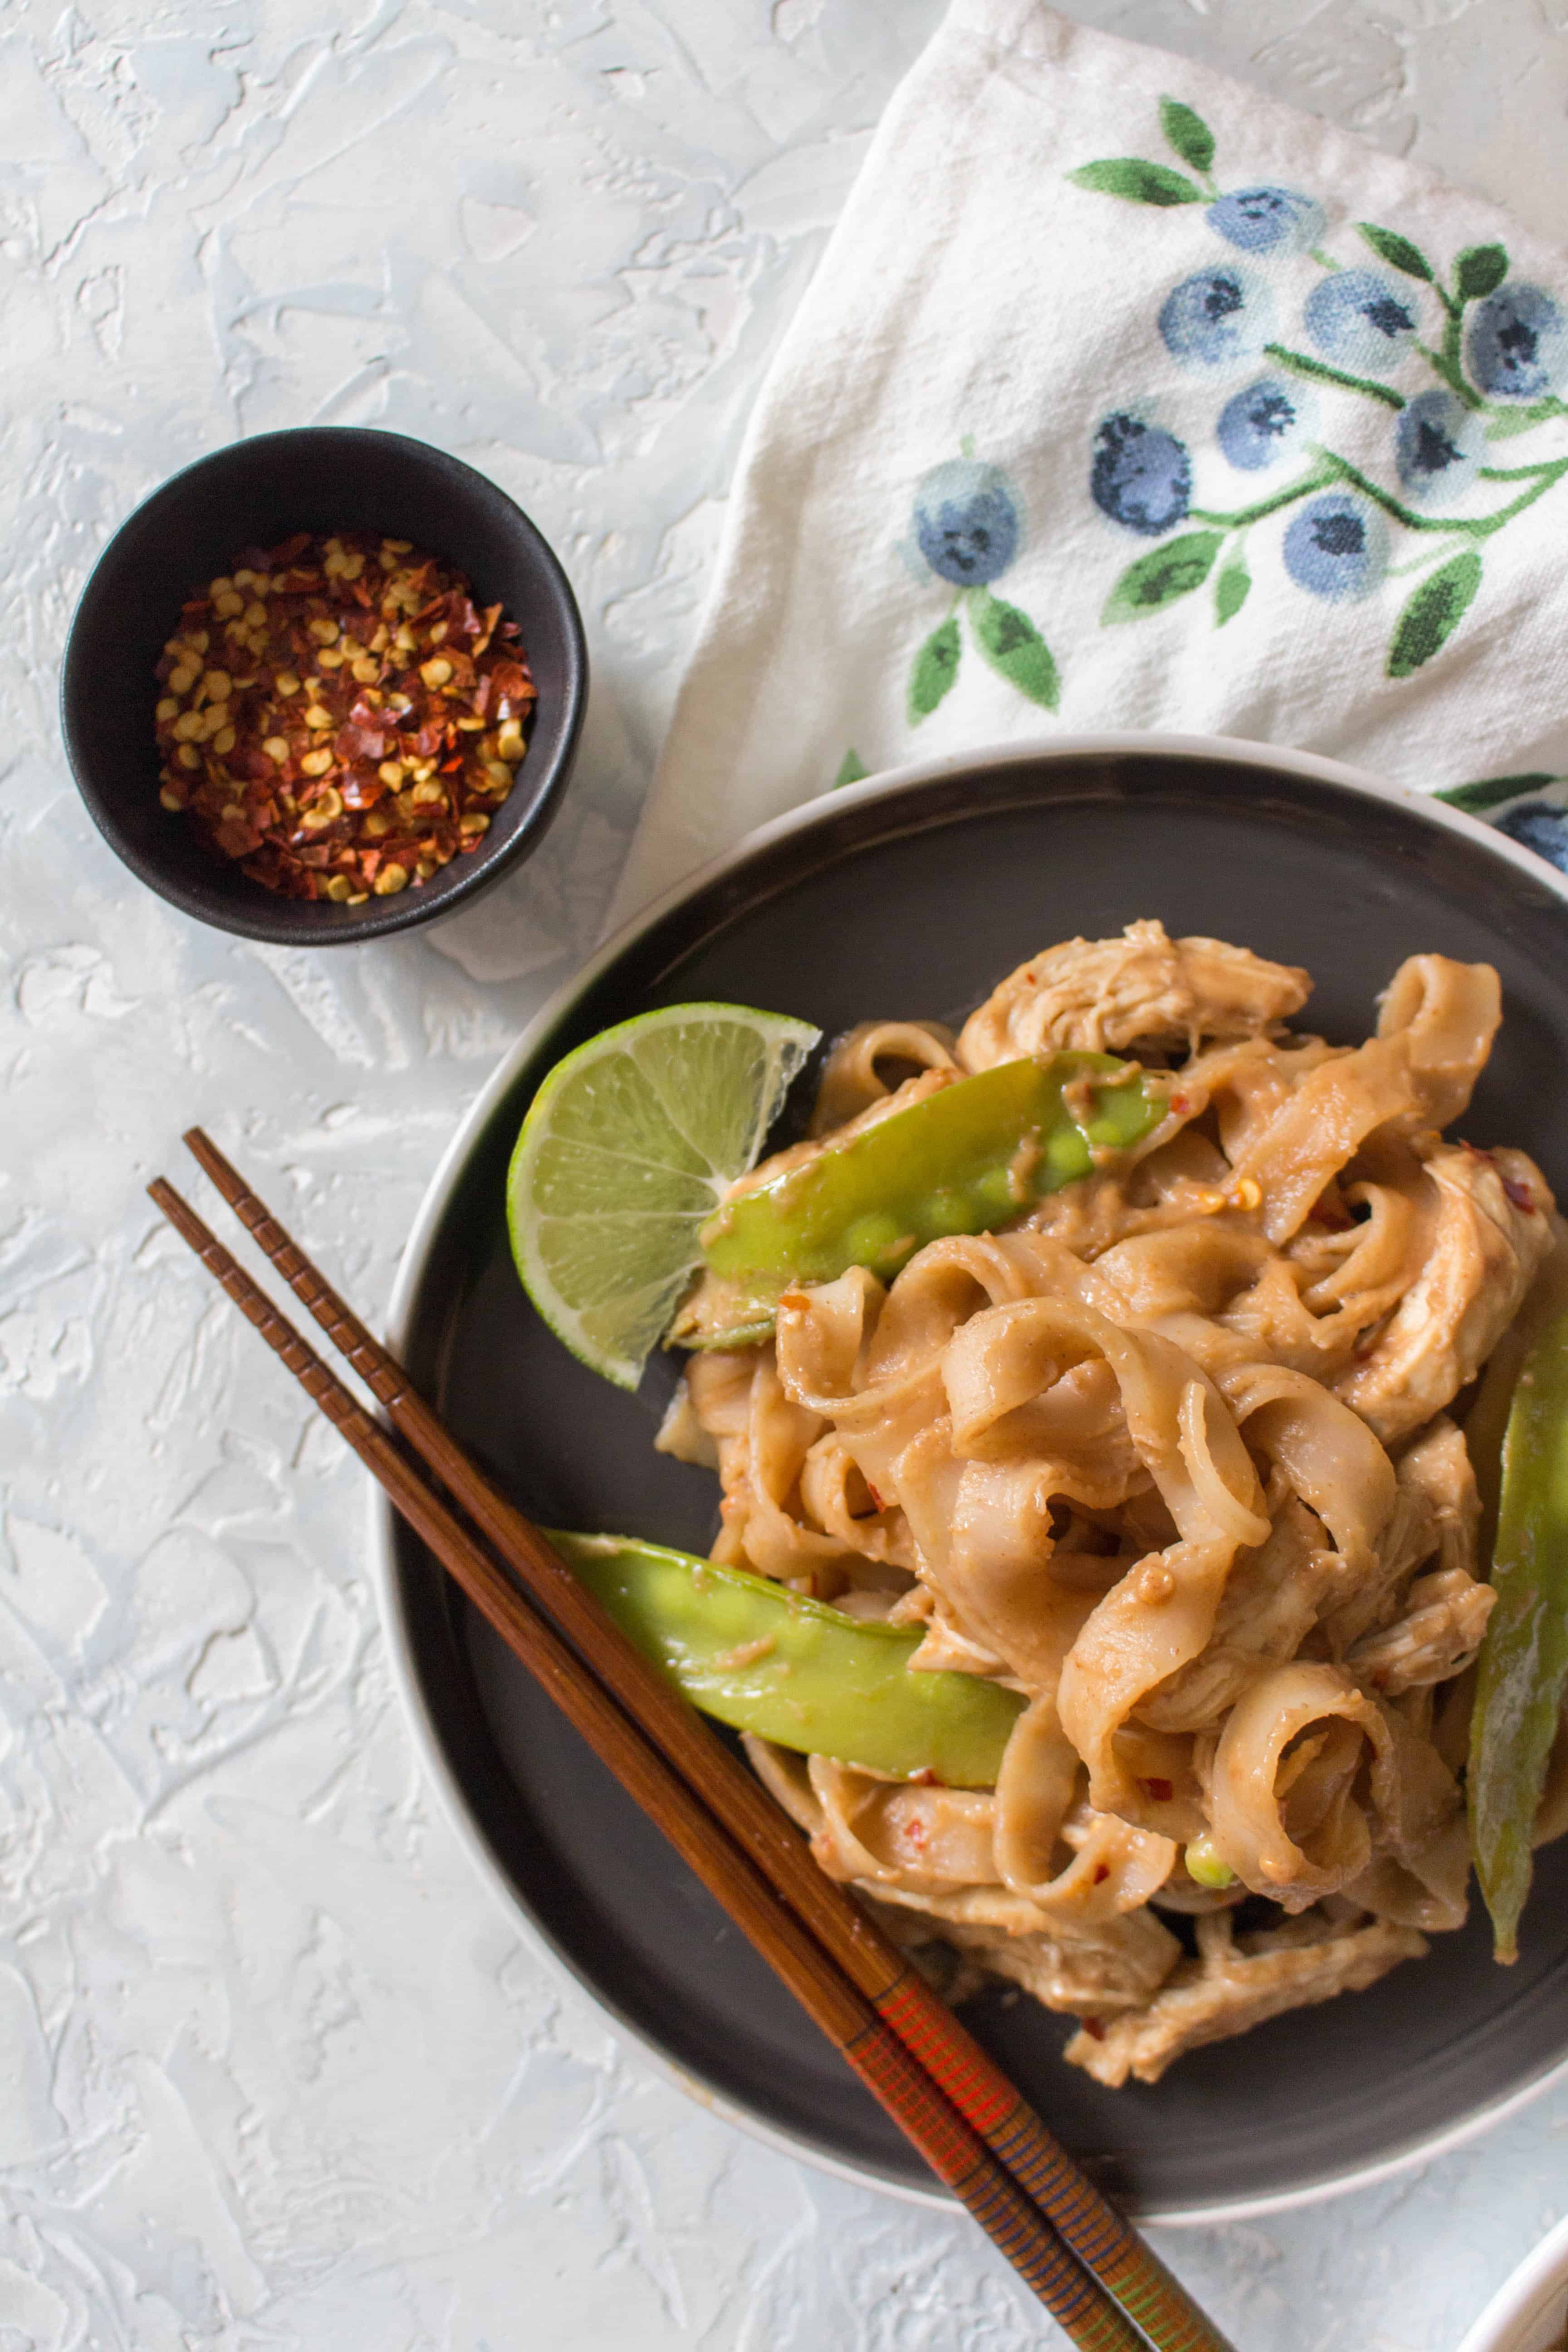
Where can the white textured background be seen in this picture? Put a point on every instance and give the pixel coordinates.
(274, 2069)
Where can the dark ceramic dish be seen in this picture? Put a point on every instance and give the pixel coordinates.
(255, 492)
(914, 896)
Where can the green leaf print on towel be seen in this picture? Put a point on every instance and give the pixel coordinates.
(1398, 252)
(1188, 134)
(1158, 580)
(936, 666)
(1434, 613)
(1014, 648)
(1231, 591)
(1490, 792)
(1479, 272)
(1142, 184)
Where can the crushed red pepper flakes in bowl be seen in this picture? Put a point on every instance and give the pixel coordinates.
(339, 716)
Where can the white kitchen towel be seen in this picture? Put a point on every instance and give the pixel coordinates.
(1126, 398)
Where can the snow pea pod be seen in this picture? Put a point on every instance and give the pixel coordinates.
(966, 1160)
(1523, 1661)
(764, 1659)
(1486, 1423)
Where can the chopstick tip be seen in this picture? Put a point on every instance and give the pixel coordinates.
(178, 1210)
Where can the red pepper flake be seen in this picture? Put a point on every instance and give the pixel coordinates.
(337, 717)
(358, 743)
(1161, 1791)
(1181, 1105)
(235, 837)
(1101, 1873)
(1519, 1194)
(1093, 2028)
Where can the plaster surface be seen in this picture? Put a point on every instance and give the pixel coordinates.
(278, 2071)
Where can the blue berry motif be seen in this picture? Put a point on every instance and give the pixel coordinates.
(1266, 220)
(1438, 444)
(1141, 475)
(1362, 319)
(1480, 356)
(966, 521)
(1260, 425)
(968, 527)
(1540, 827)
(1518, 343)
(1337, 548)
(1216, 317)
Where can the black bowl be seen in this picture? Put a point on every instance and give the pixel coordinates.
(256, 492)
(913, 895)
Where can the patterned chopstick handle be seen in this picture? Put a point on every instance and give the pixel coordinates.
(1098, 2234)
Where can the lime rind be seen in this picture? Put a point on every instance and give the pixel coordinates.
(628, 1146)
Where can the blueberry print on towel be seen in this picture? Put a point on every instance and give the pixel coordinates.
(1493, 352)
(966, 528)
(1531, 809)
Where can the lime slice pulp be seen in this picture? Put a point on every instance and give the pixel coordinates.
(627, 1146)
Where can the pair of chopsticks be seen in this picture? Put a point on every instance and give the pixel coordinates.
(1093, 2273)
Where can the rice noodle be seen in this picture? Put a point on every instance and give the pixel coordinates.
(1170, 1456)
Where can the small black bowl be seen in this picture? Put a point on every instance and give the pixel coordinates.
(256, 492)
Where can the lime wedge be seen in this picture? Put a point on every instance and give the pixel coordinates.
(627, 1146)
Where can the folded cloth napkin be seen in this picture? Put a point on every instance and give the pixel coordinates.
(1126, 398)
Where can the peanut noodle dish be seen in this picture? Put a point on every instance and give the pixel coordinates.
(1108, 1377)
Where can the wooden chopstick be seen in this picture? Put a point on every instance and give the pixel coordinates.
(1098, 2235)
(953, 2150)
(1096, 2231)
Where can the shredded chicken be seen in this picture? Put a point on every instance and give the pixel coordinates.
(1116, 1969)
(1436, 1639)
(1103, 995)
(683, 1434)
(1489, 1233)
(707, 1419)
(1228, 1990)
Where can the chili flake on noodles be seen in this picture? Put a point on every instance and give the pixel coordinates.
(339, 716)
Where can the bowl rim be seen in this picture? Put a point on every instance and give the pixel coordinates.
(1522, 2294)
(1233, 751)
(272, 922)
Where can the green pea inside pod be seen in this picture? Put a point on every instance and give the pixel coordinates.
(764, 1659)
(972, 1157)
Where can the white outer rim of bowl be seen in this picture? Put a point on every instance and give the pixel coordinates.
(1522, 2297)
(1231, 748)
